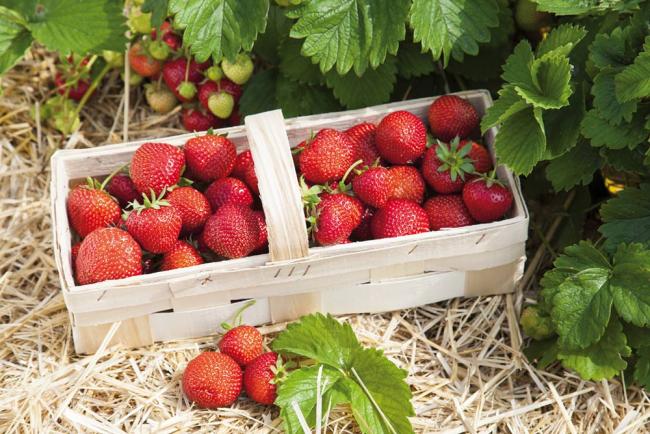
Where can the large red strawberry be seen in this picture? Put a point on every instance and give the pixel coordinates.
(199, 120)
(260, 378)
(363, 232)
(245, 170)
(350, 203)
(363, 138)
(263, 239)
(374, 186)
(327, 157)
(243, 343)
(193, 207)
(210, 157)
(212, 380)
(155, 224)
(105, 254)
(181, 255)
(228, 190)
(142, 62)
(447, 211)
(408, 183)
(90, 207)
(451, 116)
(156, 166)
(337, 215)
(479, 155)
(445, 167)
(232, 231)
(398, 218)
(121, 188)
(487, 199)
(401, 137)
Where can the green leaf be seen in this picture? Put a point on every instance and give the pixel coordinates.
(562, 126)
(606, 102)
(602, 133)
(627, 217)
(219, 28)
(267, 45)
(520, 143)
(259, 93)
(642, 367)
(15, 39)
(574, 167)
(544, 352)
(372, 88)
(630, 283)
(412, 62)
(452, 27)
(297, 99)
(603, 359)
(637, 337)
(158, 10)
(296, 66)
(508, 104)
(551, 89)
(609, 50)
(625, 160)
(517, 69)
(573, 7)
(350, 33)
(634, 81)
(564, 37)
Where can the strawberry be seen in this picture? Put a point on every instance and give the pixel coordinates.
(198, 120)
(158, 50)
(232, 231)
(90, 207)
(210, 157)
(336, 217)
(181, 255)
(221, 104)
(243, 343)
(235, 118)
(74, 252)
(487, 199)
(177, 72)
(451, 116)
(155, 224)
(239, 71)
(374, 186)
(159, 99)
(263, 239)
(327, 157)
(296, 151)
(76, 89)
(105, 254)
(193, 207)
(363, 138)
(142, 63)
(447, 211)
(444, 166)
(408, 183)
(173, 41)
(479, 155)
(353, 205)
(212, 380)
(232, 88)
(245, 170)
(401, 137)
(214, 73)
(121, 188)
(156, 166)
(259, 378)
(398, 218)
(228, 190)
(210, 88)
(148, 265)
(362, 232)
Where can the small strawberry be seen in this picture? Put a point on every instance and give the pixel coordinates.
(401, 137)
(193, 207)
(181, 255)
(221, 104)
(232, 88)
(187, 90)
(479, 155)
(398, 218)
(260, 378)
(240, 70)
(75, 88)
(232, 231)
(142, 63)
(212, 380)
(362, 232)
(155, 224)
(121, 188)
(245, 170)
(105, 254)
(263, 239)
(156, 166)
(159, 99)
(214, 73)
(336, 217)
(363, 138)
(486, 198)
(447, 211)
(90, 207)
(445, 166)
(451, 116)
(198, 120)
(177, 72)
(228, 190)
(374, 186)
(173, 41)
(210, 157)
(243, 343)
(327, 157)
(408, 183)
(210, 89)
(159, 50)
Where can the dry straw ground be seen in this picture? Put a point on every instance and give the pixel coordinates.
(463, 357)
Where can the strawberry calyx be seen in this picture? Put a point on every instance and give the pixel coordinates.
(153, 202)
(455, 159)
(489, 178)
(280, 370)
(237, 317)
(94, 184)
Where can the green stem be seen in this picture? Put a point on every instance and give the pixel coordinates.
(91, 89)
(112, 174)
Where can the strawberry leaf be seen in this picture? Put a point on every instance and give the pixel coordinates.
(575, 167)
(562, 38)
(573, 7)
(413, 62)
(606, 101)
(627, 217)
(297, 67)
(372, 88)
(158, 10)
(550, 87)
(508, 104)
(602, 132)
(642, 367)
(521, 142)
(297, 99)
(15, 39)
(630, 284)
(259, 93)
(634, 81)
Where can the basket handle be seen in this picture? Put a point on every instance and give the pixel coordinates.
(278, 184)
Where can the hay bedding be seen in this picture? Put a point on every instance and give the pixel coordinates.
(463, 357)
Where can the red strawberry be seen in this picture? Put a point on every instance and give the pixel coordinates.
(156, 166)
(296, 151)
(210, 88)
(212, 380)
(105, 254)
(198, 120)
(353, 205)
(445, 166)
(374, 187)
(228, 190)
(210, 157)
(401, 137)
(362, 232)
(487, 199)
(90, 207)
(235, 118)
(479, 155)
(408, 183)
(398, 218)
(156, 224)
(74, 252)
(245, 170)
(243, 343)
(181, 255)
(263, 239)
(76, 89)
(447, 211)
(142, 63)
(232, 231)
(172, 40)
(232, 88)
(327, 157)
(336, 217)
(121, 187)
(193, 207)
(451, 116)
(363, 138)
(259, 378)
(175, 73)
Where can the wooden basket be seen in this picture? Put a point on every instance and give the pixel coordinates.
(293, 279)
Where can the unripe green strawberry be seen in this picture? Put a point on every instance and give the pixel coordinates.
(134, 78)
(243, 343)
(159, 99)
(212, 380)
(113, 58)
(221, 104)
(240, 70)
(214, 73)
(139, 22)
(158, 50)
(187, 90)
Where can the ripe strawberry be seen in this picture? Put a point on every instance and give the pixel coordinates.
(176, 72)
(198, 120)
(240, 70)
(181, 255)
(362, 232)
(159, 99)
(479, 155)
(193, 207)
(447, 211)
(156, 166)
(445, 166)
(451, 116)
(74, 252)
(228, 190)
(297, 150)
(155, 224)
(90, 207)
(212, 380)
(259, 378)
(245, 170)
(232, 231)
(173, 41)
(77, 89)
(363, 138)
(353, 205)
(142, 63)
(263, 239)
(243, 343)
(336, 217)
(210, 157)
(374, 186)
(398, 218)
(487, 199)
(408, 183)
(121, 188)
(327, 157)
(401, 137)
(107, 253)
(232, 88)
